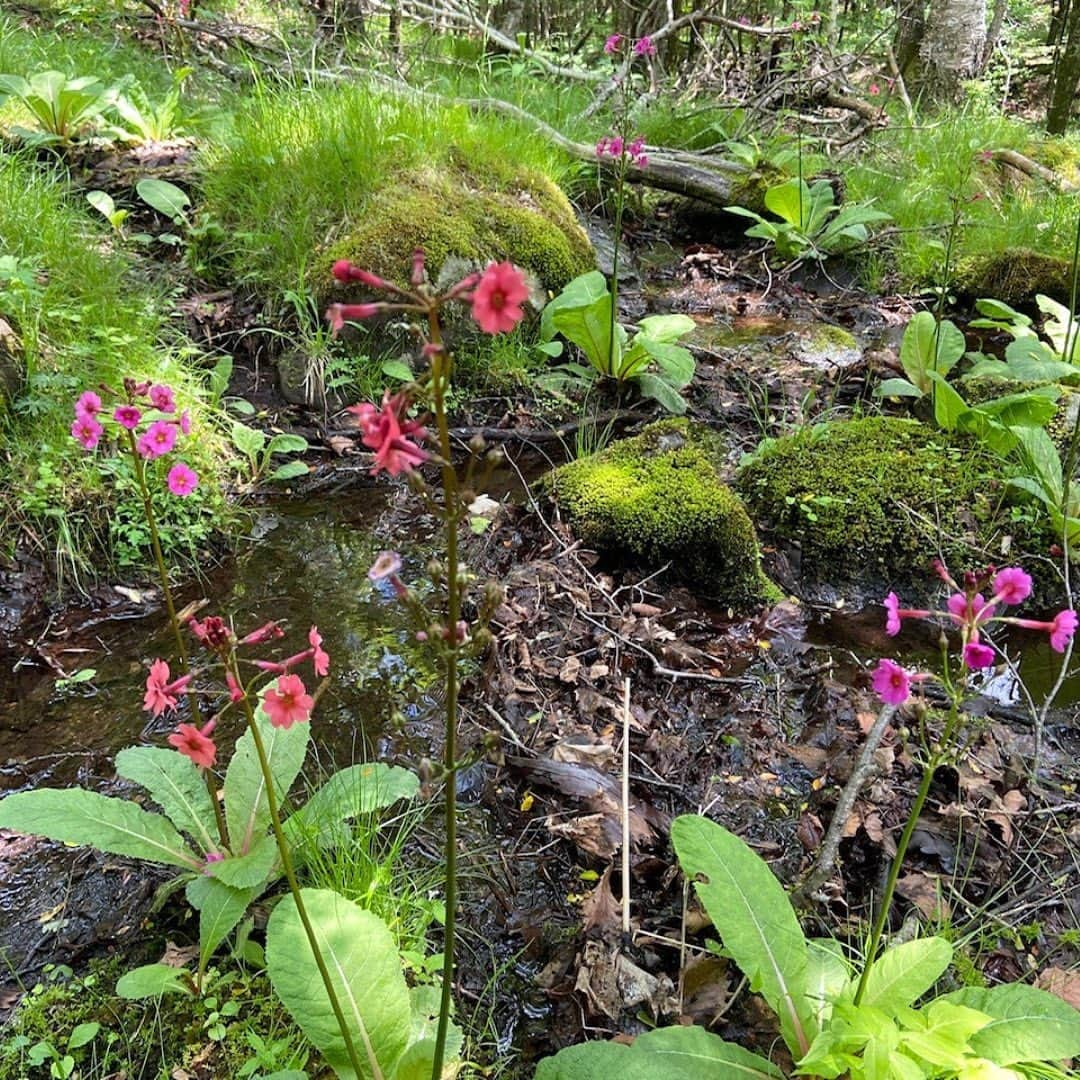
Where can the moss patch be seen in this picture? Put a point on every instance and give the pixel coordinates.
(475, 215)
(657, 498)
(1015, 276)
(875, 497)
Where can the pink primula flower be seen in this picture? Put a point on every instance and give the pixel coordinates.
(196, 745)
(287, 702)
(644, 46)
(497, 299)
(161, 397)
(159, 438)
(86, 431)
(386, 430)
(972, 612)
(89, 404)
(185, 422)
(612, 44)
(339, 314)
(1012, 585)
(891, 682)
(1062, 629)
(387, 563)
(182, 479)
(269, 631)
(319, 656)
(977, 655)
(161, 694)
(127, 416)
(236, 691)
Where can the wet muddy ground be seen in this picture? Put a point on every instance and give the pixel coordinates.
(754, 721)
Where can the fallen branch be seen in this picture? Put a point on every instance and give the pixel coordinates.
(1015, 160)
(830, 846)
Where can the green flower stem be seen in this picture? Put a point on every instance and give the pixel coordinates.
(620, 200)
(294, 888)
(937, 757)
(181, 648)
(440, 381)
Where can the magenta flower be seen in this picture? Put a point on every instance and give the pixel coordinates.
(185, 422)
(612, 44)
(161, 397)
(874, 89)
(895, 614)
(269, 631)
(891, 682)
(1012, 585)
(977, 655)
(127, 416)
(387, 563)
(236, 691)
(86, 431)
(644, 46)
(182, 479)
(89, 404)
(319, 656)
(1062, 629)
(288, 702)
(497, 298)
(971, 611)
(159, 438)
(615, 146)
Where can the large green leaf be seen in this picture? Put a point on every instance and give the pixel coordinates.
(1061, 328)
(792, 201)
(927, 347)
(175, 783)
(666, 328)
(949, 406)
(1031, 360)
(359, 789)
(164, 197)
(660, 390)
(754, 918)
(1041, 459)
(674, 1053)
(74, 816)
(905, 972)
(676, 362)
(247, 811)
(220, 908)
(416, 1062)
(254, 867)
(151, 981)
(1027, 1024)
(365, 971)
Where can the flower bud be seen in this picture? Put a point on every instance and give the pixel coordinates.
(477, 445)
(436, 570)
(495, 457)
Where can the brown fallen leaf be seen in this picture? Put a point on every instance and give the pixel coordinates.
(922, 890)
(600, 910)
(1061, 983)
(706, 989)
(178, 956)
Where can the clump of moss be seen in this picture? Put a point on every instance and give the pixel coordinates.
(469, 214)
(1015, 276)
(873, 497)
(152, 1037)
(657, 498)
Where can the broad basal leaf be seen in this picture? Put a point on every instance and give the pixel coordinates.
(754, 918)
(74, 816)
(365, 971)
(905, 972)
(176, 785)
(151, 981)
(220, 908)
(247, 811)
(1026, 1024)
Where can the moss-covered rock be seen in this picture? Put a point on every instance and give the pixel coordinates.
(12, 367)
(876, 498)
(1015, 276)
(470, 215)
(657, 498)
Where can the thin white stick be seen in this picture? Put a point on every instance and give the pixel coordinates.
(626, 808)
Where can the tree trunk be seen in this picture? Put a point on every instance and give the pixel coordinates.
(1066, 77)
(952, 47)
(910, 27)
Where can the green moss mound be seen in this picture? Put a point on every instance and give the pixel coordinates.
(470, 215)
(875, 497)
(657, 498)
(1015, 276)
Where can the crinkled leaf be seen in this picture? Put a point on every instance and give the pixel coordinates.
(118, 826)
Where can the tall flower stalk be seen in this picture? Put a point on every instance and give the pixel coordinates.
(496, 297)
(970, 612)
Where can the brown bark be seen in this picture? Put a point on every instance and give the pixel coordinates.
(952, 47)
(1066, 76)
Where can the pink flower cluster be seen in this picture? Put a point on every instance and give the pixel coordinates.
(388, 431)
(613, 146)
(968, 609)
(643, 46)
(286, 701)
(139, 401)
